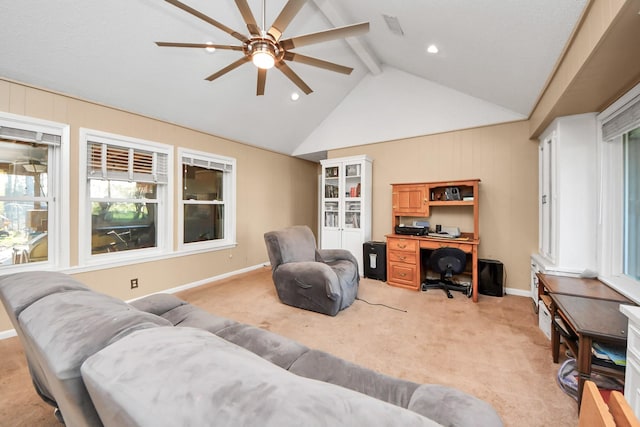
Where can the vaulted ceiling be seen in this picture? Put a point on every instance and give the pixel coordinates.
(493, 61)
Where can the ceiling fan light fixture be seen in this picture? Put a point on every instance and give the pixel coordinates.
(262, 55)
(432, 48)
(210, 49)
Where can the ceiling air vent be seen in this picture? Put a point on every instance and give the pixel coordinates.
(393, 24)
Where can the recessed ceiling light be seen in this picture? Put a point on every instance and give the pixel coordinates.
(432, 48)
(295, 96)
(210, 49)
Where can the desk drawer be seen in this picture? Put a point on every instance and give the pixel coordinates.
(395, 244)
(399, 256)
(403, 274)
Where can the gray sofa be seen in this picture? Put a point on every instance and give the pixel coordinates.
(102, 361)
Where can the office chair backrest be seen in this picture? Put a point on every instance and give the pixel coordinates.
(449, 261)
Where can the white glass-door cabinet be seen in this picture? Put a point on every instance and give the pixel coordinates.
(346, 205)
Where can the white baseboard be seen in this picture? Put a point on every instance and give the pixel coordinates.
(518, 292)
(7, 334)
(12, 332)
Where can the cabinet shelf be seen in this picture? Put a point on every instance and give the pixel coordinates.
(451, 203)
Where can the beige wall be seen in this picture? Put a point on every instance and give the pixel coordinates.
(600, 64)
(273, 191)
(501, 156)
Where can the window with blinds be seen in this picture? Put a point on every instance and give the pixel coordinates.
(127, 186)
(32, 199)
(619, 195)
(207, 211)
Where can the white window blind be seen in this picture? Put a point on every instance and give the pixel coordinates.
(25, 135)
(108, 161)
(206, 163)
(623, 120)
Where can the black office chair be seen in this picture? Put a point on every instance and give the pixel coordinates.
(447, 262)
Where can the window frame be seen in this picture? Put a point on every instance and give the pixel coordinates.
(610, 237)
(58, 228)
(229, 190)
(164, 226)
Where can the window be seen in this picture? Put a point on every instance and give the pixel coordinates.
(631, 235)
(33, 229)
(126, 207)
(207, 201)
(619, 195)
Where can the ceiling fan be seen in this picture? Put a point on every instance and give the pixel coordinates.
(265, 48)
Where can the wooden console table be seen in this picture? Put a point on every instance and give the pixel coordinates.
(590, 320)
(591, 311)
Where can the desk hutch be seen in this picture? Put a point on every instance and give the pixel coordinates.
(418, 200)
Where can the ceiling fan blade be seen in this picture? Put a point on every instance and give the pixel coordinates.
(207, 19)
(262, 79)
(247, 15)
(228, 68)
(199, 45)
(296, 57)
(293, 77)
(323, 36)
(288, 12)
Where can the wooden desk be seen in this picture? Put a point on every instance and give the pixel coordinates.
(404, 268)
(591, 288)
(591, 320)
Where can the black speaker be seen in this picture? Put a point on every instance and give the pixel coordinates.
(490, 277)
(375, 260)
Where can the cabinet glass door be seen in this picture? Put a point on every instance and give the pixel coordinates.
(332, 196)
(352, 206)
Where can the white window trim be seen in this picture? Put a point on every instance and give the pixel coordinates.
(230, 205)
(59, 226)
(164, 228)
(611, 205)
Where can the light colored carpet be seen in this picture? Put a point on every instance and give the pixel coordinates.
(492, 349)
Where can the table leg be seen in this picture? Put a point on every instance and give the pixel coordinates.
(555, 336)
(584, 363)
(474, 273)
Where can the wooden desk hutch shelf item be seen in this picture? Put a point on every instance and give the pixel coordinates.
(420, 200)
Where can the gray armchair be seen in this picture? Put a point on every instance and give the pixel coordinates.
(321, 280)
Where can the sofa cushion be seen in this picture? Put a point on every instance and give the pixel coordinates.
(272, 347)
(323, 366)
(186, 376)
(66, 328)
(453, 407)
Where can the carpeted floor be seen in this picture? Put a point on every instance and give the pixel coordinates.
(492, 349)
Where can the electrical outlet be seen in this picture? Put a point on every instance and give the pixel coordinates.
(134, 283)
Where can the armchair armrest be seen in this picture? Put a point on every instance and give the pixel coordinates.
(316, 278)
(330, 255)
